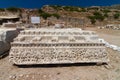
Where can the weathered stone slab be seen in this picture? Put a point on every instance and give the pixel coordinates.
(53, 46)
(6, 36)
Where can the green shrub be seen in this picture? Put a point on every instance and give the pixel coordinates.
(116, 15)
(45, 15)
(56, 7)
(106, 15)
(40, 11)
(83, 10)
(96, 9)
(13, 9)
(97, 13)
(71, 8)
(106, 11)
(99, 16)
(56, 15)
(1, 9)
(92, 19)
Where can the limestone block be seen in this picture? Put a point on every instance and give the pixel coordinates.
(4, 46)
(53, 46)
(6, 36)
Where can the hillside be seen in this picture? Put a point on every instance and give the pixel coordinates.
(94, 15)
(117, 6)
(70, 15)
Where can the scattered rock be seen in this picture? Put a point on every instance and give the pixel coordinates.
(44, 76)
(108, 66)
(27, 76)
(33, 77)
(10, 77)
(21, 75)
(50, 75)
(58, 73)
(13, 77)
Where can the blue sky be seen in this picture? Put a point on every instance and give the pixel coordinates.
(39, 3)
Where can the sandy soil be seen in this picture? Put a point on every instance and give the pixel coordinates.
(68, 72)
(110, 35)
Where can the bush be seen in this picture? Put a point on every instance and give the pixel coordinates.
(92, 19)
(106, 11)
(96, 9)
(67, 8)
(83, 10)
(97, 13)
(56, 15)
(40, 11)
(106, 15)
(56, 7)
(45, 15)
(99, 16)
(1, 9)
(116, 15)
(13, 9)
(71, 8)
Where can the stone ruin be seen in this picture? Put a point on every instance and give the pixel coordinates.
(56, 46)
(110, 26)
(6, 36)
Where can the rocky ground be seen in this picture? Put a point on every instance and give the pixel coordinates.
(71, 71)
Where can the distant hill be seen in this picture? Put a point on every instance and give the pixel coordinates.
(117, 6)
(95, 15)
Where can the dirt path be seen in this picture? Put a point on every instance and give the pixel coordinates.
(110, 35)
